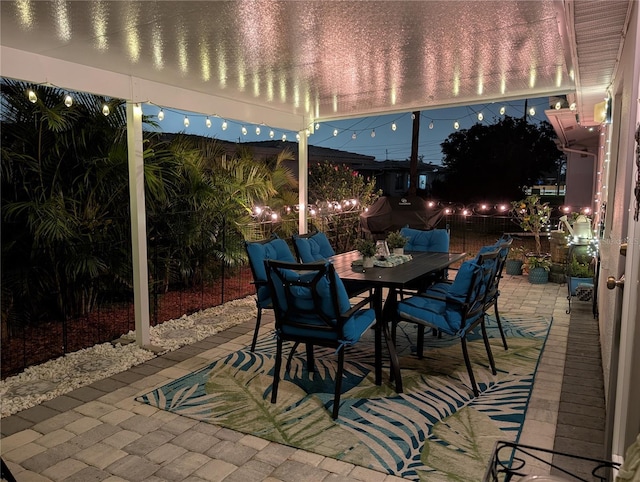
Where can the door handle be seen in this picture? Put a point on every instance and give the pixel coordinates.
(613, 283)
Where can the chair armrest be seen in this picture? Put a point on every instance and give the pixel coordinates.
(358, 306)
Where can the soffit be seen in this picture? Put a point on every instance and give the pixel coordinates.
(325, 60)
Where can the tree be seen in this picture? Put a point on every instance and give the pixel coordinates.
(486, 161)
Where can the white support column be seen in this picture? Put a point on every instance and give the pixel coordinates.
(138, 223)
(303, 181)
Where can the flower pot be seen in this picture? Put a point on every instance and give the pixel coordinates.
(574, 282)
(367, 261)
(513, 266)
(398, 250)
(538, 276)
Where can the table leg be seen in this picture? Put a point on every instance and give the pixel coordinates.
(388, 316)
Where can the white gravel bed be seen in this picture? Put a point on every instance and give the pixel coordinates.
(53, 378)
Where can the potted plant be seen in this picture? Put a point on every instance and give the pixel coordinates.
(580, 272)
(515, 260)
(396, 242)
(367, 249)
(532, 215)
(538, 267)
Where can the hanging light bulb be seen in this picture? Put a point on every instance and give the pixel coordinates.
(161, 115)
(532, 111)
(373, 133)
(354, 136)
(207, 122)
(317, 125)
(456, 125)
(298, 137)
(335, 132)
(284, 137)
(503, 109)
(271, 134)
(68, 100)
(431, 125)
(224, 125)
(244, 131)
(480, 116)
(394, 126)
(186, 121)
(33, 98)
(105, 110)
(558, 105)
(257, 130)
(413, 116)
(307, 132)
(573, 106)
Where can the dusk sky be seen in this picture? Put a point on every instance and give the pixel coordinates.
(386, 144)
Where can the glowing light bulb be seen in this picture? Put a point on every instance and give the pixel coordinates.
(317, 125)
(257, 130)
(297, 137)
(284, 137)
(480, 116)
(224, 125)
(573, 106)
(33, 98)
(373, 133)
(503, 109)
(354, 136)
(532, 111)
(207, 122)
(161, 115)
(105, 110)
(335, 132)
(186, 121)
(271, 134)
(456, 125)
(558, 105)
(394, 126)
(244, 131)
(413, 116)
(431, 125)
(68, 100)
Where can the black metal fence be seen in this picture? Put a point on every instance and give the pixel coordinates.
(182, 283)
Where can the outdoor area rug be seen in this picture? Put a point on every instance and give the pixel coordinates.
(435, 430)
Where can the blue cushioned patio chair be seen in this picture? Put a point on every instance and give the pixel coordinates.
(258, 252)
(503, 245)
(458, 311)
(311, 306)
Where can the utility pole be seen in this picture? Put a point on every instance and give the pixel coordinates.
(413, 164)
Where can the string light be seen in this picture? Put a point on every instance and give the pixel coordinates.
(186, 121)
(33, 98)
(68, 100)
(224, 125)
(456, 125)
(558, 105)
(161, 115)
(271, 134)
(393, 126)
(317, 125)
(373, 133)
(431, 125)
(284, 137)
(354, 136)
(208, 123)
(503, 109)
(532, 111)
(257, 130)
(105, 110)
(335, 132)
(298, 137)
(244, 131)
(480, 116)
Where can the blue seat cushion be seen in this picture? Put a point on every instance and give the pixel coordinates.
(314, 247)
(429, 312)
(352, 329)
(436, 240)
(275, 249)
(462, 282)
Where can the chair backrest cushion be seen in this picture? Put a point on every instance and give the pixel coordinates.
(436, 240)
(276, 248)
(313, 248)
(462, 282)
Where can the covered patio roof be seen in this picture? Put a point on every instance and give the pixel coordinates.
(291, 64)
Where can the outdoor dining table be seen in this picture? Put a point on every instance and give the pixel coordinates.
(421, 266)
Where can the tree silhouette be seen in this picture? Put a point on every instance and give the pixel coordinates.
(495, 162)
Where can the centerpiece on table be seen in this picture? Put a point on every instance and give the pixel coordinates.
(533, 216)
(367, 249)
(396, 242)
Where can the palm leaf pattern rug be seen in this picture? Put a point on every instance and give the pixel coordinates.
(435, 430)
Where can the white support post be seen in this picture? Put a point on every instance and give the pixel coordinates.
(303, 181)
(138, 223)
